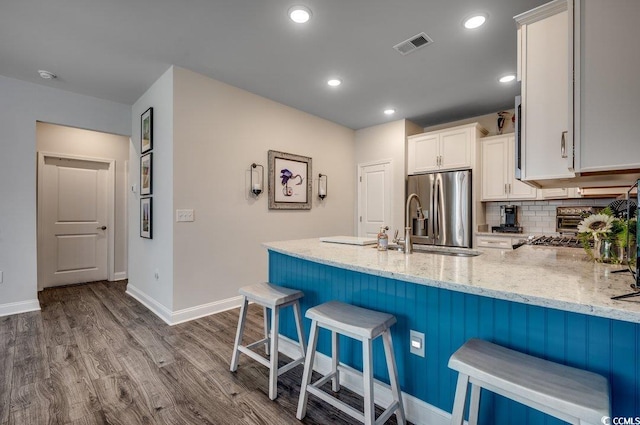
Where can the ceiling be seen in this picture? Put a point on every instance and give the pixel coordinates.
(115, 50)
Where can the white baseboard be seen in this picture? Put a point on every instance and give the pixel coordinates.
(202, 310)
(417, 411)
(158, 309)
(119, 276)
(19, 307)
(180, 316)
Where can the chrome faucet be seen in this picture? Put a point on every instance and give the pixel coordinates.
(408, 245)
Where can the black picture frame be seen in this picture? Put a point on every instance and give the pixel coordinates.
(146, 131)
(146, 174)
(146, 218)
(289, 181)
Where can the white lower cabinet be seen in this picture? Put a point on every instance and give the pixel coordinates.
(498, 241)
(498, 171)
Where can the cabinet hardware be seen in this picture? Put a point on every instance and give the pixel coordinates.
(509, 187)
(505, 188)
(563, 145)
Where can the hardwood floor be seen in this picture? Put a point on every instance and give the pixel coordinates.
(94, 355)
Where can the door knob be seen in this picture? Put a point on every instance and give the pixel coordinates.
(102, 228)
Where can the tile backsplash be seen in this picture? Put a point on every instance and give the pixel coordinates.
(538, 216)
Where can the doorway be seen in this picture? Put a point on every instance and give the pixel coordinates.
(374, 197)
(82, 205)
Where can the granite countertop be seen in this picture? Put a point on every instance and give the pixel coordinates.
(560, 278)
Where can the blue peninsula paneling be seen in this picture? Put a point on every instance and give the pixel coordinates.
(449, 318)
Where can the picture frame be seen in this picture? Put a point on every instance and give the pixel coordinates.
(290, 181)
(146, 218)
(146, 174)
(146, 131)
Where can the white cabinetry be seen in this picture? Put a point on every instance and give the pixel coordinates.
(498, 241)
(498, 174)
(450, 149)
(544, 52)
(580, 95)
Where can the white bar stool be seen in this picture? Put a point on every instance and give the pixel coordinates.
(572, 395)
(272, 297)
(363, 325)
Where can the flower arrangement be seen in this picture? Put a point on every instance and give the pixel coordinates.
(604, 236)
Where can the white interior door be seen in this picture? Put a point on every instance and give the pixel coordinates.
(374, 201)
(74, 202)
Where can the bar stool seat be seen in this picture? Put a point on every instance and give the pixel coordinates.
(572, 395)
(363, 325)
(272, 297)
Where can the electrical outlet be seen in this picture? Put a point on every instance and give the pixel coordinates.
(184, 215)
(416, 343)
(156, 274)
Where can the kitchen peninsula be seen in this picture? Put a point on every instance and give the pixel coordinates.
(548, 302)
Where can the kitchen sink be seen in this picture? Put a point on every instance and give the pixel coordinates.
(441, 250)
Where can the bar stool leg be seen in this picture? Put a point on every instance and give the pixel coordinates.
(474, 404)
(457, 415)
(265, 317)
(308, 368)
(393, 376)
(239, 332)
(298, 318)
(335, 360)
(367, 373)
(273, 372)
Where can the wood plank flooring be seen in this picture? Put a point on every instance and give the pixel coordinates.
(94, 355)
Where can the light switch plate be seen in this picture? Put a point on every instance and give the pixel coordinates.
(184, 215)
(416, 343)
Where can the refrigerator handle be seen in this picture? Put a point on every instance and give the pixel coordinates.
(438, 188)
(434, 213)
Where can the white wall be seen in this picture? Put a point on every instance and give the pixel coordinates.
(388, 141)
(219, 130)
(74, 141)
(21, 105)
(148, 256)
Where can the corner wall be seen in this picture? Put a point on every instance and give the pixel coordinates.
(150, 256)
(219, 131)
(21, 105)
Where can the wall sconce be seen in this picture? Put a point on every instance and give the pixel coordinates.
(322, 186)
(257, 179)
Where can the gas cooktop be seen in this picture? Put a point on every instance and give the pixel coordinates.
(568, 241)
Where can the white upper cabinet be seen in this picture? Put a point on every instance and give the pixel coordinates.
(546, 125)
(498, 173)
(580, 118)
(450, 149)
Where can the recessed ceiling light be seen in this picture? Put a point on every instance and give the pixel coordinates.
(300, 14)
(46, 74)
(507, 78)
(475, 21)
(389, 111)
(334, 82)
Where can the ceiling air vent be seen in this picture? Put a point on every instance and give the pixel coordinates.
(414, 43)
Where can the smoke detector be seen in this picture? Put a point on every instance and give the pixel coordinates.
(413, 44)
(47, 75)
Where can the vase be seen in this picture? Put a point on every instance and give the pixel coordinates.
(597, 246)
(606, 251)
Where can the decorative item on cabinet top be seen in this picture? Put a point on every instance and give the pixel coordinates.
(289, 181)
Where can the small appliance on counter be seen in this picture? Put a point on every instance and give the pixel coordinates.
(508, 220)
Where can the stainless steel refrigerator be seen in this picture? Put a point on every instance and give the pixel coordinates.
(446, 208)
